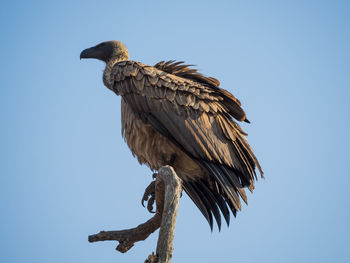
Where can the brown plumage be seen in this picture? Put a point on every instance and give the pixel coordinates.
(173, 115)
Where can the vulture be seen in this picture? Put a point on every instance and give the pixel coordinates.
(173, 115)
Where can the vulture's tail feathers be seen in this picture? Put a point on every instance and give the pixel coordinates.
(222, 191)
(209, 201)
(229, 188)
(196, 198)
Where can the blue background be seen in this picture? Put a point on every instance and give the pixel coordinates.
(66, 172)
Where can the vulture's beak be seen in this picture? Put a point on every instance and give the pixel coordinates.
(90, 53)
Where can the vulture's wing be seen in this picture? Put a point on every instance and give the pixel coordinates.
(197, 117)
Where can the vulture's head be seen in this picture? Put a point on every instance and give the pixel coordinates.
(107, 51)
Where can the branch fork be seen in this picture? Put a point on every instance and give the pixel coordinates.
(168, 189)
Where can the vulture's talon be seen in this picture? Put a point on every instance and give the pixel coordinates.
(144, 198)
(150, 203)
(149, 196)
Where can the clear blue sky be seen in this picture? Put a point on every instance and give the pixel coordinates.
(67, 173)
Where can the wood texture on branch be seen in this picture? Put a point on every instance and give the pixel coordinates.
(171, 202)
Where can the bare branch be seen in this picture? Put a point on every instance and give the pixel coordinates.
(167, 193)
(128, 237)
(171, 202)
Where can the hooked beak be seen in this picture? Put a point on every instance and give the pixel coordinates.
(89, 53)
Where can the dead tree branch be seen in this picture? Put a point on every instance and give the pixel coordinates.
(167, 193)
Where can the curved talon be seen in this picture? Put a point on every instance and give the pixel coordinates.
(150, 204)
(144, 198)
(149, 196)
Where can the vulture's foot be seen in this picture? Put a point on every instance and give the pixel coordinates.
(149, 196)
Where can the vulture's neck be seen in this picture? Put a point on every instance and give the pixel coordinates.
(107, 74)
